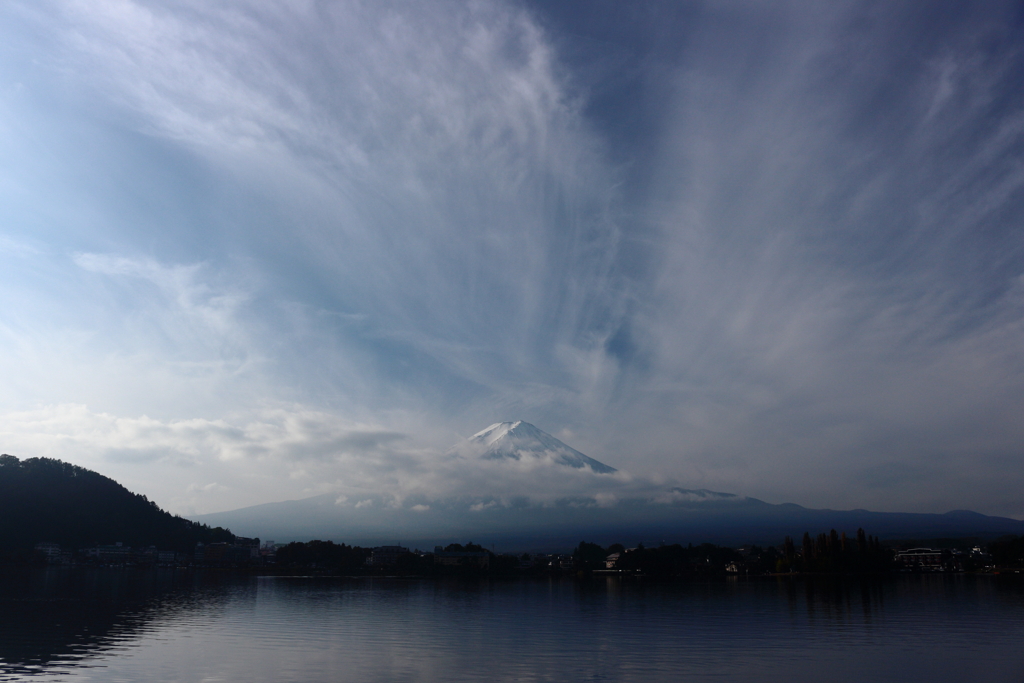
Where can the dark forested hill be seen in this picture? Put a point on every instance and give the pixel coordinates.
(49, 500)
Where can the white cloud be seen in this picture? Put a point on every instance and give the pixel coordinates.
(193, 303)
(18, 248)
(257, 453)
(289, 452)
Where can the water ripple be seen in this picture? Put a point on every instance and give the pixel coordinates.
(277, 629)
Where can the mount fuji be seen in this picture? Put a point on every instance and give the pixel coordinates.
(523, 442)
(516, 485)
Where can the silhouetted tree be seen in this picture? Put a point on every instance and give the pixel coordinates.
(1008, 551)
(833, 553)
(322, 555)
(588, 557)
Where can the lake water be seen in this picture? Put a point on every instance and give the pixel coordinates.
(123, 625)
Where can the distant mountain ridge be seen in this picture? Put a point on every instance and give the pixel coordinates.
(520, 441)
(49, 500)
(687, 518)
(612, 512)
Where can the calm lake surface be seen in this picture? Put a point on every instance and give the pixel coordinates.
(125, 625)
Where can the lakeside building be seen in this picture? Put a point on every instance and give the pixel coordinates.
(251, 545)
(243, 551)
(480, 559)
(930, 560)
(50, 550)
(922, 557)
(386, 555)
(110, 554)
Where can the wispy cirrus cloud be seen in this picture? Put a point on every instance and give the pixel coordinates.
(181, 289)
(767, 249)
(830, 296)
(456, 170)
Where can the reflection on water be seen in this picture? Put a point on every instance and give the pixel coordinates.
(59, 617)
(114, 625)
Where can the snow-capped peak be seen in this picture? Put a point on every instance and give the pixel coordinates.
(498, 430)
(522, 441)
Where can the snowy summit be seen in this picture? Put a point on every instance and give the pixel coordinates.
(520, 441)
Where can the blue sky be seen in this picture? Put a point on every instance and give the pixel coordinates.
(267, 250)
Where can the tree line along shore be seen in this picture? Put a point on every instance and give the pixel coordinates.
(826, 554)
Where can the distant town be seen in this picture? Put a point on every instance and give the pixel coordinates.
(831, 553)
